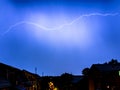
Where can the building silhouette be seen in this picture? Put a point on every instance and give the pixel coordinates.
(104, 77)
(12, 78)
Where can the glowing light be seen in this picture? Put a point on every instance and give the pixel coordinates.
(108, 86)
(60, 26)
(119, 73)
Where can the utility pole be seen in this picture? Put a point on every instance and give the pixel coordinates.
(35, 70)
(36, 78)
(42, 73)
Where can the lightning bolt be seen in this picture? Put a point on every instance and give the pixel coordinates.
(60, 26)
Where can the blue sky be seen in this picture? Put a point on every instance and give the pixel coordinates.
(58, 36)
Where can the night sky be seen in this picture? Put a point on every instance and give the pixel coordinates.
(57, 36)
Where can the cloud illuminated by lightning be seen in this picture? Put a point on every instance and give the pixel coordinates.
(60, 26)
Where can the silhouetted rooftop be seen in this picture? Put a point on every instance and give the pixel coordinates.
(106, 67)
(8, 66)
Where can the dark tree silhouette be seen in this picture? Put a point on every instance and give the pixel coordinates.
(113, 61)
(85, 71)
(66, 81)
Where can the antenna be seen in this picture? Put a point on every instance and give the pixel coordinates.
(42, 73)
(35, 70)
